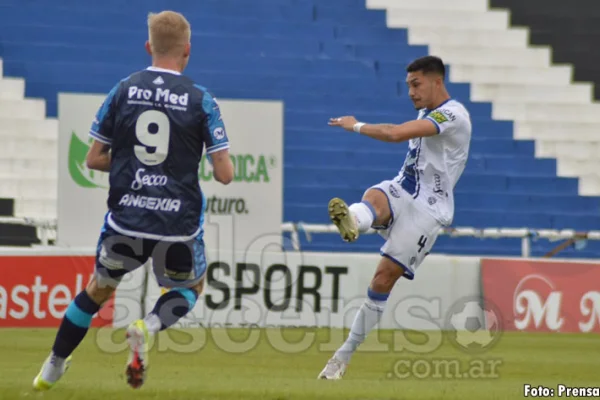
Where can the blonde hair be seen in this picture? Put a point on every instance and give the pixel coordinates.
(168, 33)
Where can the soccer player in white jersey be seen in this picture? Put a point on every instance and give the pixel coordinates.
(410, 209)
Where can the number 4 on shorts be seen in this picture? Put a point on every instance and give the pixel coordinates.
(422, 242)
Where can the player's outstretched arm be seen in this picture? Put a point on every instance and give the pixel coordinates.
(98, 157)
(388, 132)
(222, 166)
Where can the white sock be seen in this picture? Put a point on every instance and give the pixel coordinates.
(363, 215)
(153, 323)
(366, 319)
(53, 370)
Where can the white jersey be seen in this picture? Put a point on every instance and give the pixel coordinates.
(434, 164)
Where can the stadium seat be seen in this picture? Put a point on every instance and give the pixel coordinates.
(322, 62)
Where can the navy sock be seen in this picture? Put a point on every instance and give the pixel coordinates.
(174, 305)
(75, 324)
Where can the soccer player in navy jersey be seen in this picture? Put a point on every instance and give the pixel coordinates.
(149, 134)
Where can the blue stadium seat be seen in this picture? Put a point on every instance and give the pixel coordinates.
(322, 58)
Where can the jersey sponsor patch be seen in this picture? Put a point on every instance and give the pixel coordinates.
(219, 133)
(438, 117)
(142, 180)
(150, 203)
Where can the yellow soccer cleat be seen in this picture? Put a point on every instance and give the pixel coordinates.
(52, 370)
(343, 219)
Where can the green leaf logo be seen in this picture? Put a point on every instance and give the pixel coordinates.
(80, 173)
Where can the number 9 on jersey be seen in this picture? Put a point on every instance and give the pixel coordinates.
(153, 130)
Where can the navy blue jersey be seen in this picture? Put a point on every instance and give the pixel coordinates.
(158, 123)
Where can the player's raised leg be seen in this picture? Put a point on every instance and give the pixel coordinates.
(357, 218)
(173, 305)
(185, 264)
(71, 332)
(368, 316)
(409, 239)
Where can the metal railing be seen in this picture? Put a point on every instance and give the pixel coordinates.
(47, 230)
(526, 235)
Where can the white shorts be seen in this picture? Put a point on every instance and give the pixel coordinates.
(411, 232)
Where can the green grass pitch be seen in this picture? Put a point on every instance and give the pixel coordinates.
(283, 364)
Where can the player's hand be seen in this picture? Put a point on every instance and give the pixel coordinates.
(345, 122)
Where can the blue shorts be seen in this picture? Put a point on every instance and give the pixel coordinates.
(175, 264)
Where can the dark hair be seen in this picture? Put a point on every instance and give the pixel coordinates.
(428, 64)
